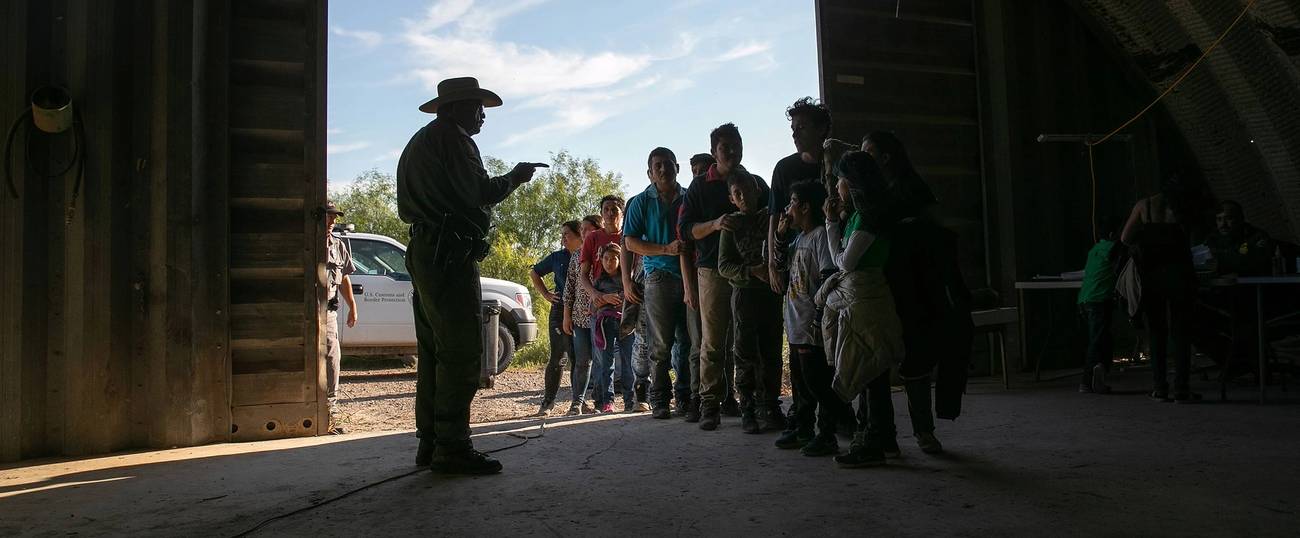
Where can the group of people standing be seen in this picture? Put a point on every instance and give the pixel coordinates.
(1149, 263)
(842, 253)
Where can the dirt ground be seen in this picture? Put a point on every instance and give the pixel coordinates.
(379, 395)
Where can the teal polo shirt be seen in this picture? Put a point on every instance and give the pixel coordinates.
(652, 219)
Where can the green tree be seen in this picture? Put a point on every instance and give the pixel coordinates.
(370, 203)
(568, 190)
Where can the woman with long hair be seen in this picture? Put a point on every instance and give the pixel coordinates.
(864, 336)
(578, 309)
(1158, 232)
(557, 263)
(910, 196)
(931, 295)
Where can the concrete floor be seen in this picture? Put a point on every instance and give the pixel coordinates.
(1036, 460)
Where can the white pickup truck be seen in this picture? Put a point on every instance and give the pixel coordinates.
(383, 292)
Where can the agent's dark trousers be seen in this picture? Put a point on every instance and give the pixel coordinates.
(1098, 317)
(758, 330)
(561, 348)
(449, 330)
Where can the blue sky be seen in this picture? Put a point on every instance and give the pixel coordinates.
(604, 79)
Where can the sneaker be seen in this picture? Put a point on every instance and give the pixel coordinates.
(822, 445)
(1186, 397)
(929, 443)
(773, 420)
(890, 448)
(1099, 385)
(864, 455)
(709, 418)
(587, 409)
(1159, 396)
(730, 407)
(790, 439)
(662, 413)
(607, 408)
(546, 408)
(574, 410)
(1085, 388)
(680, 403)
(643, 407)
(468, 461)
(424, 454)
(749, 422)
(693, 411)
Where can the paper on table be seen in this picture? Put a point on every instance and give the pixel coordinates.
(1072, 275)
(1201, 255)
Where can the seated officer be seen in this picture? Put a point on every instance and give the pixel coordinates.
(1238, 247)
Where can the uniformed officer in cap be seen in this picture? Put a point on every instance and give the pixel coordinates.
(338, 265)
(446, 196)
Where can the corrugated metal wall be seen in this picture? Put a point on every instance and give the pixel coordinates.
(1240, 111)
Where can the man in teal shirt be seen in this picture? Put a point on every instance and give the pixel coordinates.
(650, 229)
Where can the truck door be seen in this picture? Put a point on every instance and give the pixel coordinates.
(384, 299)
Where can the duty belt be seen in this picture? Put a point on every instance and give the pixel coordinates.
(451, 246)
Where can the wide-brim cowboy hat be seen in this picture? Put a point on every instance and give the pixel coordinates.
(460, 89)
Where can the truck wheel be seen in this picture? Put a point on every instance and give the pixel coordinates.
(410, 360)
(505, 349)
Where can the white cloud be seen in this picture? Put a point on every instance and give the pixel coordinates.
(335, 149)
(367, 40)
(579, 89)
(456, 38)
(445, 12)
(744, 50)
(762, 62)
(391, 155)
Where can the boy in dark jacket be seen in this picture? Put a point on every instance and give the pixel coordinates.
(755, 309)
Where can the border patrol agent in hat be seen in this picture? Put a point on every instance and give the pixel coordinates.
(338, 265)
(446, 196)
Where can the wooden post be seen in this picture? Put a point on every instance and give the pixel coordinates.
(14, 407)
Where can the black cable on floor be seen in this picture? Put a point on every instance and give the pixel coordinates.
(268, 521)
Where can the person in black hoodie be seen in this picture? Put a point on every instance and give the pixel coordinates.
(930, 295)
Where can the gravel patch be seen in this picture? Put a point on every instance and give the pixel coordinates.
(383, 399)
(379, 395)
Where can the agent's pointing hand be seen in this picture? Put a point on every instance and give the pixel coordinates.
(523, 172)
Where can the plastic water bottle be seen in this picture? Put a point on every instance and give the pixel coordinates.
(1279, 266)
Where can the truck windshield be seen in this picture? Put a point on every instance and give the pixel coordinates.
(379, 259)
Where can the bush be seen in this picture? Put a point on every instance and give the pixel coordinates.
(533, 355)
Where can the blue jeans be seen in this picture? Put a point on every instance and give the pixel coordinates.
(605, 364)
(580, 376)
